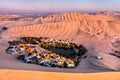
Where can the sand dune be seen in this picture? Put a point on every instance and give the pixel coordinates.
(10, 75)
(74, 16)
(96, 32)
(72, 29)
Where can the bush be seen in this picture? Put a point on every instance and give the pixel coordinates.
(4, 28)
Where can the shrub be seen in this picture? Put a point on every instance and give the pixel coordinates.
(4, 28)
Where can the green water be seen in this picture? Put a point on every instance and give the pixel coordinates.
(65, 52)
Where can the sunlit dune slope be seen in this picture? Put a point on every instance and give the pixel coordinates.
(11, 75)
(66, 30)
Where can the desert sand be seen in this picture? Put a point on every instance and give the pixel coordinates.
(95, 31)
(36, 75)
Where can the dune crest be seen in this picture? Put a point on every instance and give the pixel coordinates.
(74, 16)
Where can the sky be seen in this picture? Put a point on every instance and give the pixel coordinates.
(61, 5)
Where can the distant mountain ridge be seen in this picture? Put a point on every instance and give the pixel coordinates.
(109, 13)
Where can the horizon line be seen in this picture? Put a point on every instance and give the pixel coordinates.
(50, 11)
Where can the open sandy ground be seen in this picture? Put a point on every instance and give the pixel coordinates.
(6, 74)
